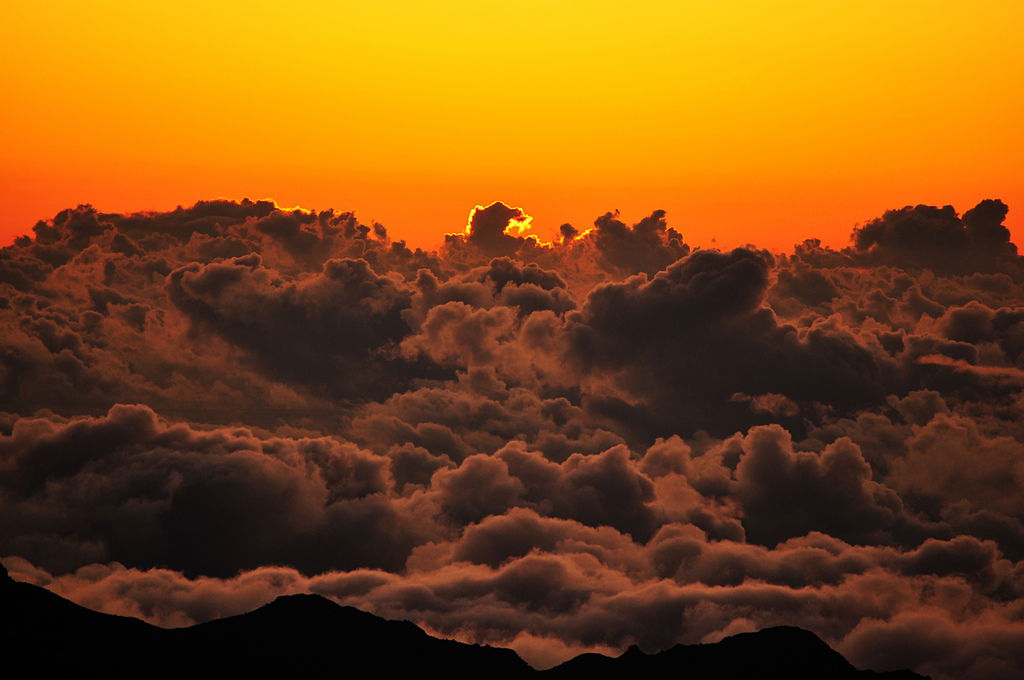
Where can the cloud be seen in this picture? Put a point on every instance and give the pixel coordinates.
(936, 238)
(608, 439)
(132, 488)
(344, 315)
(684, 342)
(487, 229)
(648, 246)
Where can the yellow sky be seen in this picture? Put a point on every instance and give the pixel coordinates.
(748, 121)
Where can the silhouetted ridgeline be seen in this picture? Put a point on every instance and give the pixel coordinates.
(310, 636)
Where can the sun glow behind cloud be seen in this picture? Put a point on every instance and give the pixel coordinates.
(747, 121)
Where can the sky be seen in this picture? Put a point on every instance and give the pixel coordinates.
(765, 122)
(333, 298)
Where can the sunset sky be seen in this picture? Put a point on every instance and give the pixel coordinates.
(747, 121)
(615, 429)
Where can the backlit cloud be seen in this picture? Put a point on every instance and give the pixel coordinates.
(612, 438)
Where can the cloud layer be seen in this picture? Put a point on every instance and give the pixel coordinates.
(609, 439)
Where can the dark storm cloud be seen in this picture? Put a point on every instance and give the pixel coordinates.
(687, 340)
(569, 446)
(503, 281)
(87, 321)
(342, 317)
(786, 493)
(936, 238)
(131, 487)
(648, 246)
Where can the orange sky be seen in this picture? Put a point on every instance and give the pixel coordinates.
(748, 121)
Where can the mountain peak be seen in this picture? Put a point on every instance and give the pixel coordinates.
(301, 601)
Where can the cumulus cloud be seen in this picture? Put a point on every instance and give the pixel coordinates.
(937, 238)
(577, 445)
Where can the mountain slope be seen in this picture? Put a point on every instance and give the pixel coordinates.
(308, 636)
(780, 652)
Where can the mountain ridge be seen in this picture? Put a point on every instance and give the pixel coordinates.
(308, 635)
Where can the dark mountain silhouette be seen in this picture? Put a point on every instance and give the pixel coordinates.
(780, 652)
(308, 636)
